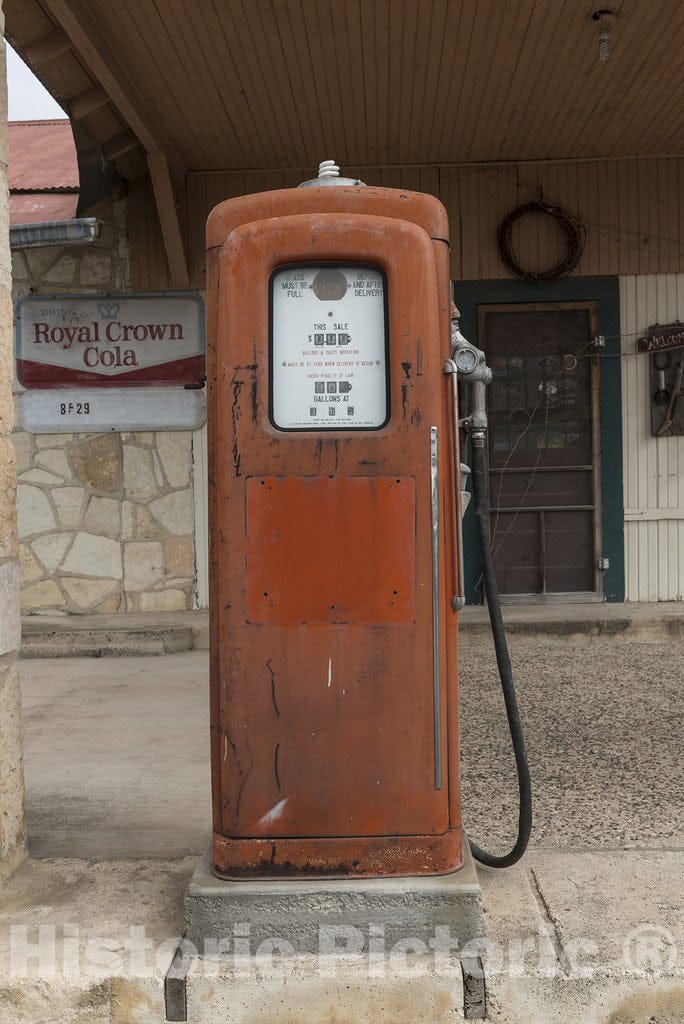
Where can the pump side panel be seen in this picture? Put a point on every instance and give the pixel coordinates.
(326, 702)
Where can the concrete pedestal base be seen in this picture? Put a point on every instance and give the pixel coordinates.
(337, 916)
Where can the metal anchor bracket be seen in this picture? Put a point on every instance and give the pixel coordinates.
(176, 982)
(474, 989)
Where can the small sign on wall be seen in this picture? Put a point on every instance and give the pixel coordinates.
(97, 410)
(125, 340)
(661, 338)
(665, 346)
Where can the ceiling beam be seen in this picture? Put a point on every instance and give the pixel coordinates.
(88, 41)
(163, 164)
(167, 210)
(119, 145)
(47, 48)
(87, 102)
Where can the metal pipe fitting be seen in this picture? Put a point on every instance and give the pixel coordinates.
(472, 367)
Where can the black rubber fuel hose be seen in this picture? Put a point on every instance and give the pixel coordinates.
(481, 510)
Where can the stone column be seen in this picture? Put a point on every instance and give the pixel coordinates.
(12, 833)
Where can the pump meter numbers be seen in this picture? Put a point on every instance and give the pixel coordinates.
(328, 348)
(331, 339)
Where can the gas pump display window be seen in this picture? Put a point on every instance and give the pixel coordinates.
(329, 348)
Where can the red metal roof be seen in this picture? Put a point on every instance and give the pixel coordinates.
(42, 156)
(36, 207)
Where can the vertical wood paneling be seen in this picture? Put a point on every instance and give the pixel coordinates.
(149, 269)
(654, 466)
(630, 210)
(633, 212)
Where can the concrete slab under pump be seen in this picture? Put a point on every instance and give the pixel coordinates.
(334, 915)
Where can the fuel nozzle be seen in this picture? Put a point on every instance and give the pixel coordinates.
(471, 366)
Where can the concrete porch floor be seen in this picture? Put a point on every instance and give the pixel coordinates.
(153, 633)
(118, 811)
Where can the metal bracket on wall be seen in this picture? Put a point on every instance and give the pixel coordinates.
(474, 990)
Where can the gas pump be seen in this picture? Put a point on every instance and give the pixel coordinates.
(335, 554)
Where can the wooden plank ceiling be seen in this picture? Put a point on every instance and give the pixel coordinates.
(260, 84)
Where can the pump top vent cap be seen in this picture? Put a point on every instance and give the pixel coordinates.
(329, 174)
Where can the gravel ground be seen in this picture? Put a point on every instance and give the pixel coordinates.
(603, 722)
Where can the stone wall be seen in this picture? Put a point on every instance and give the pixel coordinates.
(105, 520)
(12, 832)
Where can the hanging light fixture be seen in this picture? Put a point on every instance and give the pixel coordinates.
(605, 18)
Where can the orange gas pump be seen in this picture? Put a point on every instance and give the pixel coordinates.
(334, 525)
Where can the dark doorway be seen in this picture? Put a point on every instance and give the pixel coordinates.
(544, 448)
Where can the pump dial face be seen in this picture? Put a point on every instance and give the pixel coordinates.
(329, 348)
(465, 359)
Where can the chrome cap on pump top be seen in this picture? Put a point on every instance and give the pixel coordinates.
(329, 174)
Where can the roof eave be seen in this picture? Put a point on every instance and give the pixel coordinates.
(80, 231)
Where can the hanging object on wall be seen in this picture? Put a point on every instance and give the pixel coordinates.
(570, 226)
(664, 344)
(605, 18)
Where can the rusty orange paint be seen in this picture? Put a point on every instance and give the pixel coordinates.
(358, 857)
(323, 733)
(335, 549)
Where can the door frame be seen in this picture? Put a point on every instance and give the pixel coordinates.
(604, 291)
(591, 307)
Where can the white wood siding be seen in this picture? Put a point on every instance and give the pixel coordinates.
(653, 466)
